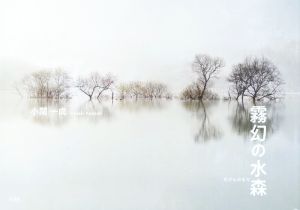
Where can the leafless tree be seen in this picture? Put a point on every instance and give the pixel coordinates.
(95, 84)
(89, 85)
(37, 84)
(148, 90)
(138, 89)
(257, 78)
(46, 84)
(61, 83)
(155, 90)
(265, 80)
(206, 68)
(191, 92)
(123, 90)
(105, 83)
(194, 91)
(160, 89)
(240, 79)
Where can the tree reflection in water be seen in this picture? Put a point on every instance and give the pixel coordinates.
(47, 111)
(142, 104)
(95, 111)
(207, 129)
(240, 118)
(58, 112)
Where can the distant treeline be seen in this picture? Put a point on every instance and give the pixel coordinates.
(255, 78)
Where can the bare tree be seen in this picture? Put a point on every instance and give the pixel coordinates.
(123, 90)
(160, 89)
(257, 78)
(265, 80)
(95, 84)
(234, 78)
(89, 85)
(240, 79)
(194, 91)
(191, 92)
(61, 84)
(150, 89)
(105, 83)
(155, 90)
(207, 68)
(136, 89)
(46, 84)
(38, 84)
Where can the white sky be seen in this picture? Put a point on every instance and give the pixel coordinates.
(138, 39)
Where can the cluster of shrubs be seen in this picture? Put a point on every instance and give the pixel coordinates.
(47, 84)
(194, 92)
(140, 89)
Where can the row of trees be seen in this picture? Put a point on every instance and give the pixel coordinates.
(56, 84)
(257, 78)
(140, 89)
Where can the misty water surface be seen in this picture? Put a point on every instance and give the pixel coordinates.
(160, 154)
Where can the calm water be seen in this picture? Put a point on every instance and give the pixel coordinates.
(143, 155)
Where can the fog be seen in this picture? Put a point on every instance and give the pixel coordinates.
(146, 40)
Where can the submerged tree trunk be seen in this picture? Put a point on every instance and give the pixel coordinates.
(254, 100)
(243, 99)
(202, 92)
